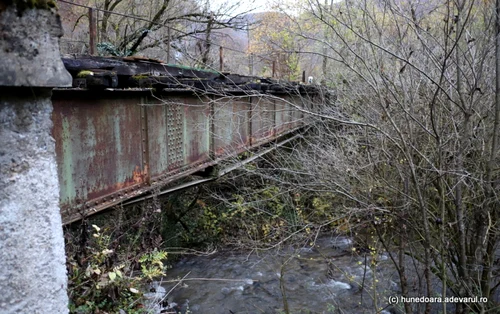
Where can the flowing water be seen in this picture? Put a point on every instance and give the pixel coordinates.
(324, 278)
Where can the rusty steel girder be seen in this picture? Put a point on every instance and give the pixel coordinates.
(115, 144)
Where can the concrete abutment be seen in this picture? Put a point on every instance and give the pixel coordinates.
(32, 258)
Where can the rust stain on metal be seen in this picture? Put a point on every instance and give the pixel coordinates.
(138, 175)
(113, 145)
(231, 128)
(197, 130)
(96, 144)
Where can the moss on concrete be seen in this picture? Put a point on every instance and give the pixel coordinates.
(23, 5)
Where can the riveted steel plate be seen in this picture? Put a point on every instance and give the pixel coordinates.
(175, 133)
(262, 119)
(98, 145)
(112, 145)
(231, 125)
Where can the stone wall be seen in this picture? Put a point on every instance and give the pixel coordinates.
(32, 259)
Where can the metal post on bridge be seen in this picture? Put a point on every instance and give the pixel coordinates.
(168, 44)
(250, 64)
(92, 31)
(221, 59)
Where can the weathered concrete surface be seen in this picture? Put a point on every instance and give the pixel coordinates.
(32, 259)
(29, 49)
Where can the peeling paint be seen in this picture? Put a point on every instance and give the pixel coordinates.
(113, 145)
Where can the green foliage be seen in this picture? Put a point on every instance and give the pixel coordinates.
(140, 76)
(152, 265)
(84, 73)
(97, 284)
(256, 212)
(106, 49)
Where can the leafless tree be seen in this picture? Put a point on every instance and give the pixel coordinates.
(411, 146)
(156, 28)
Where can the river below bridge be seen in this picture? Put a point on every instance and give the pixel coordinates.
(323, 278)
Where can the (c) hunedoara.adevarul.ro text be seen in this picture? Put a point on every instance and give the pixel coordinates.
(401, 299)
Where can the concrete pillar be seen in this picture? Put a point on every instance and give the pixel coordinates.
(32, 259)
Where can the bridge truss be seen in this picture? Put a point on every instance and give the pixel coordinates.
(132, 126)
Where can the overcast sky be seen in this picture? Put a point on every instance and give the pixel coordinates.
(241, 6)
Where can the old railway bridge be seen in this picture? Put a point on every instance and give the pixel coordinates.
(132, 125)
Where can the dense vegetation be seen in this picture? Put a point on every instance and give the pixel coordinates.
(409, 151)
